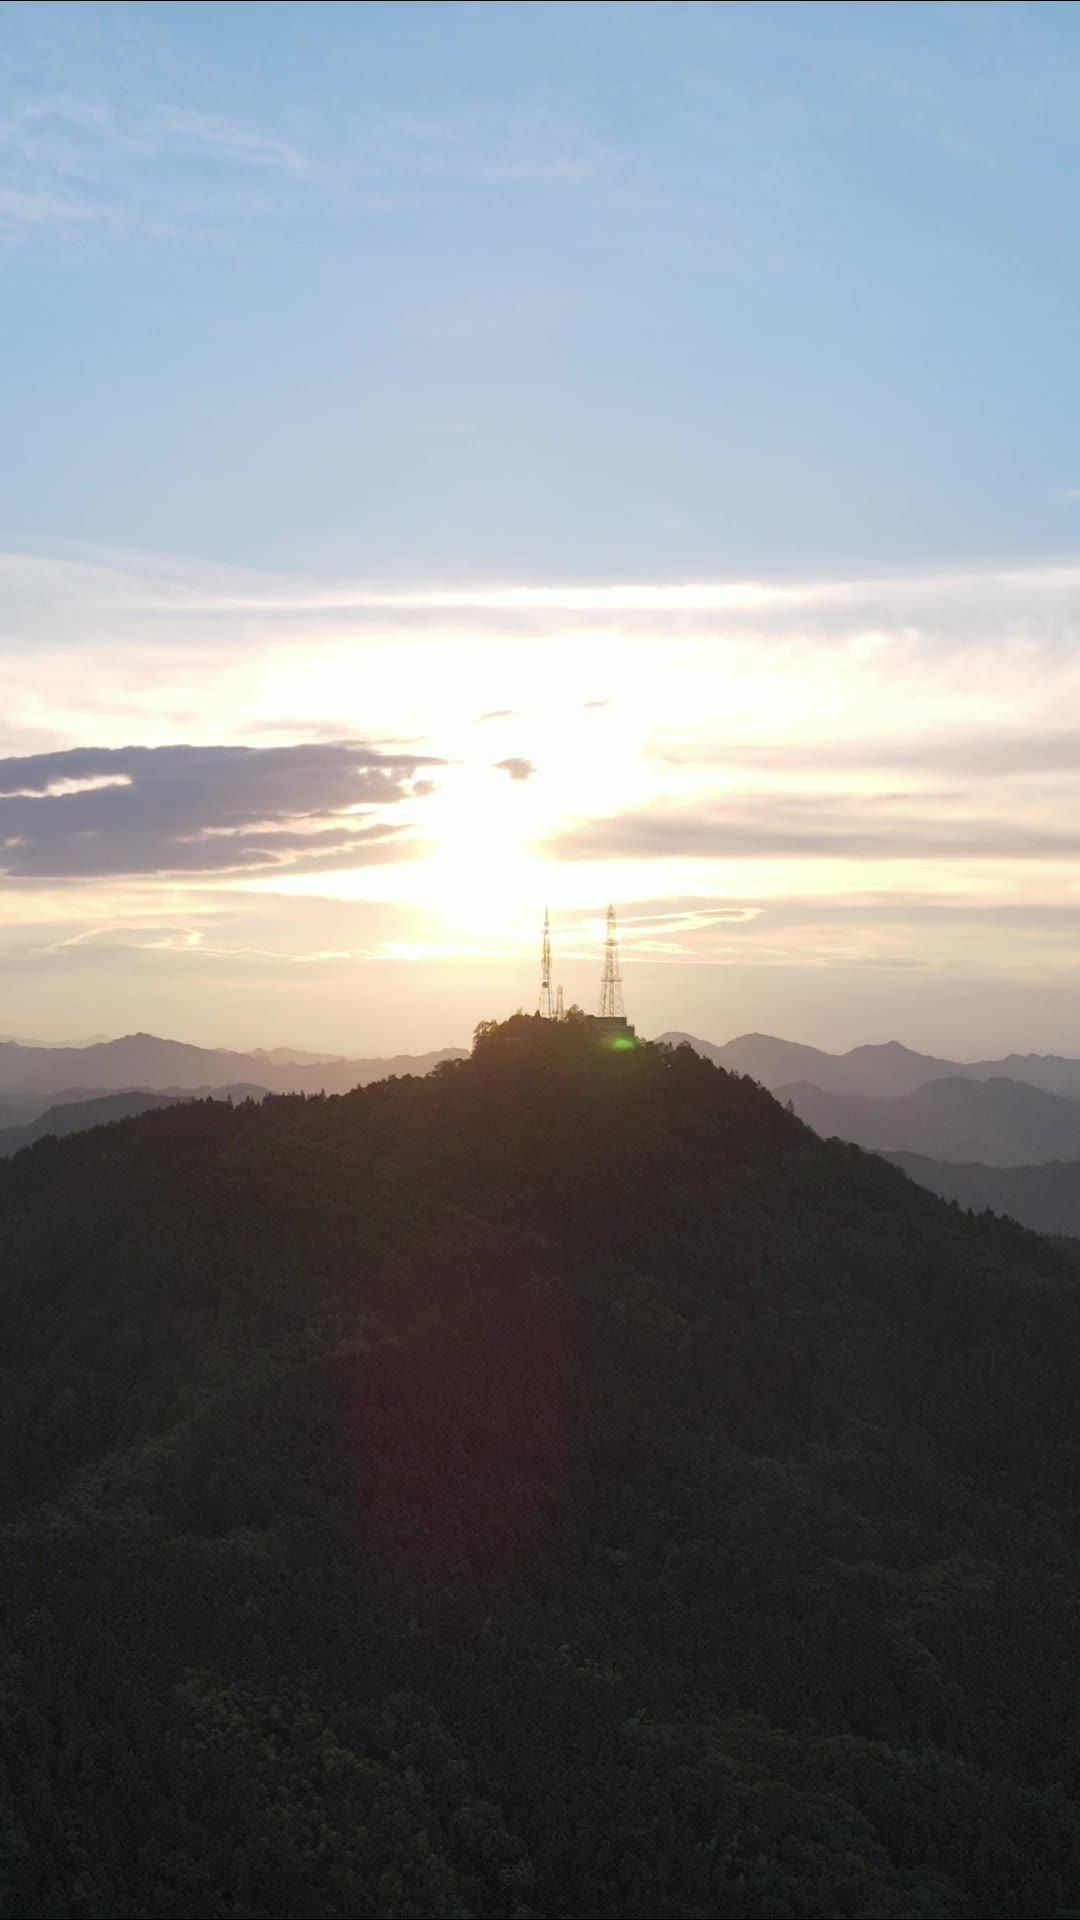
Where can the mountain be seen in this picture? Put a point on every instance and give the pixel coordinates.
(295, 1056)
(23, 1109)
(560, 1485)
(142, 1060)
(19, 1108)
(76, 1116)
(1002, 1122)
(1045, 1198)
(884, 1072)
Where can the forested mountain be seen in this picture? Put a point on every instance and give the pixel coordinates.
(885, 1072)
(143, 1060)
(559, 1486)
(1002, 1122)
(95, 1111)
(1045, 1198)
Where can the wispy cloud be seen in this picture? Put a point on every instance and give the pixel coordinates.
(104, 152)
(976, 755)
(106, 128)
(811, 826)
(101, 945)
(165, 124)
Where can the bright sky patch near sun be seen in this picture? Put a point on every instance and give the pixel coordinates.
(839, 777)
(470, 459)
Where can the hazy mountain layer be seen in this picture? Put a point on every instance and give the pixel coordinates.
(1045, 1198)
(1002, 1122)
(77, 1116)
(561, 1485)
(142, 1060)
(884, 1072)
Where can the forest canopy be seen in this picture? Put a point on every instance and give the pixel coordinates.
(560, 1485)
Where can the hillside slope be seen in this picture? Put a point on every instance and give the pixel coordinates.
(1001, 1122)
(562, 1485)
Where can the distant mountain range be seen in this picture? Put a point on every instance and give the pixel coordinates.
(1002, 1122)
(1046, 1198)
(885, 1072)
(141, 1060)
(77, 1115)
(1013, 1112)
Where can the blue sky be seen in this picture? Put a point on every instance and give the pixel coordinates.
(498, 291)
(689, 387)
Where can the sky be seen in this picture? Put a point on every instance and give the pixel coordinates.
(466, 458)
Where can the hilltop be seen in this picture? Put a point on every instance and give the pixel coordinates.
(562, 1484)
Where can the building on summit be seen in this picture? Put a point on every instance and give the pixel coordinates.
(611, 1018)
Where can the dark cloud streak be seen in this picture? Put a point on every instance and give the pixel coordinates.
(517, 767)
(193, 810)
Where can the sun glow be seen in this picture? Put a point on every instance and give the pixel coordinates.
(483, 874)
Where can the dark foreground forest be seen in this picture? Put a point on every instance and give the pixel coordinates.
(561, 1486)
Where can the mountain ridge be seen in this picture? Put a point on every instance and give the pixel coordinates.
(1044, 1197)
(881, 1070)
(96, 1110)
(1000, 1121)
(145, 1060)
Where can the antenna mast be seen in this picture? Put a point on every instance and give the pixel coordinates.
(547, 1004)
(611, 994)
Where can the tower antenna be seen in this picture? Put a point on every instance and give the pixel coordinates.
(547, 1004)
(611, 994)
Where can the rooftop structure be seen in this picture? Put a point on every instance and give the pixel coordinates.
(611, 1018)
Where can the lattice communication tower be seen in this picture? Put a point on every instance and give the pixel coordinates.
(547, 1003)
(611, 994)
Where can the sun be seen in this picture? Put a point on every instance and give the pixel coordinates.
(483, 872)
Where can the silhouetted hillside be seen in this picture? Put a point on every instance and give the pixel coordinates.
(76, 1116)
(142, 1060)
(885, 1072)
(1044, 1198)
(1000, 1121)
(561, 1485)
